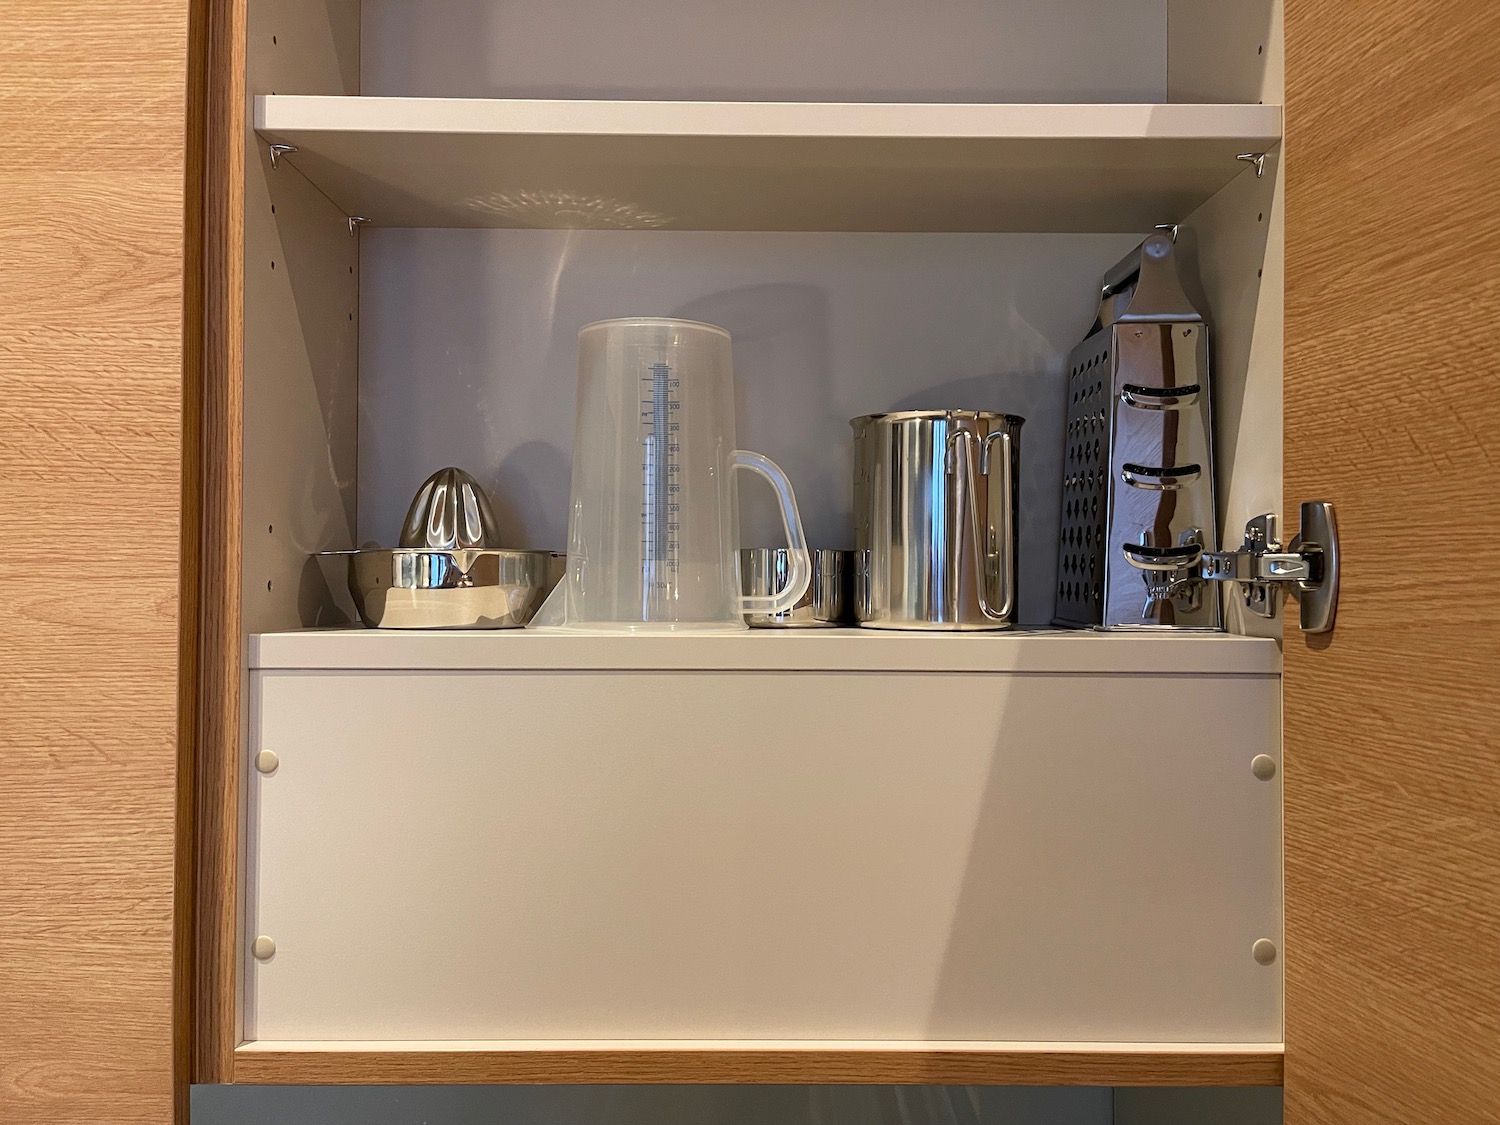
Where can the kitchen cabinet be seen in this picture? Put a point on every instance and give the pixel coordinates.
(399, 306)
(395, 175)
(374, 280)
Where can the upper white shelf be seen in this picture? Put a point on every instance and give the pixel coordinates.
(763, 650)
(765, 165)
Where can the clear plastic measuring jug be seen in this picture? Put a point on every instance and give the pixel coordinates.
(653, 523)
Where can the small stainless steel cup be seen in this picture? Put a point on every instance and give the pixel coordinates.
(829, 599)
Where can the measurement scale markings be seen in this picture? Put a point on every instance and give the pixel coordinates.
(658, 533)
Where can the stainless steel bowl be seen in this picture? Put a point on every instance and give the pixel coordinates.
(829, 599)
(416, 588)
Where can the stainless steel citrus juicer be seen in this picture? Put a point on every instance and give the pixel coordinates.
(449, 571)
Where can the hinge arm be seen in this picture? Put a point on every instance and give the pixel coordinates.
(1309, 568)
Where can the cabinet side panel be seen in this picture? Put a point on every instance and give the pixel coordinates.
(1218, 52)
(301, 286)
(1234, 244)
(280, 421)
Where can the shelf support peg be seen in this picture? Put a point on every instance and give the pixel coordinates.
(1256, 158)
(277, 152)
(355, 222)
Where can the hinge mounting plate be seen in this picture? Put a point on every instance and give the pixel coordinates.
(1308, 567)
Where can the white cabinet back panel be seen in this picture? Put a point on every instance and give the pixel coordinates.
(468, 356)
(746, 856)
(783, 50)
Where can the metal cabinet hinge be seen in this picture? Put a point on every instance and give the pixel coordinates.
(1308, 567)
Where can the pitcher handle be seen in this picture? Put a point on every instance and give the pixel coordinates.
(801, 573)
(961, 457)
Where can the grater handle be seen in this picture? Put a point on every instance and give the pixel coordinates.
(1159, 478)
(1152, 269)
(1160, 398)
(1143, 556)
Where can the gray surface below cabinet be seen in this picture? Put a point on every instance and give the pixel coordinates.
(730, 1105)
(649, 1105)
(1249, 1105)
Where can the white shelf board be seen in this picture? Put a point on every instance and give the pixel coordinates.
(472, 162)
(820, 650)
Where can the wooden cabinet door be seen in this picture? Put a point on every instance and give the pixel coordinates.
(1393, 413)
(95, 276)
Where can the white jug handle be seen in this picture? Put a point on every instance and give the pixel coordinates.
(801, 576)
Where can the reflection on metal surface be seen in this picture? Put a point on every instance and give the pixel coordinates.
(936, 495)
(829, 599)
(463, 589)
(565, 210)
(450, 512)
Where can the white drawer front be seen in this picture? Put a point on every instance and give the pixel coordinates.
(702, 855)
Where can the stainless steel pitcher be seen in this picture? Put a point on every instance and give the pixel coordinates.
(936, 499)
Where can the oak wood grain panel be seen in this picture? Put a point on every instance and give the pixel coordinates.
(218, 700)
(94, 175)
(925, 1066)
(1392, 781)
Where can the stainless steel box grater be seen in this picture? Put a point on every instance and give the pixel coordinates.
(1138, 482)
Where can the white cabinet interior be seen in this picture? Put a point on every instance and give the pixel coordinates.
(374, 355)
(468, 354)
(777, 50)
(457, 346)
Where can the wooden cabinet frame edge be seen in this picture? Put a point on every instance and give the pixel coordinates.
(1107, 1065)
(213, 835)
